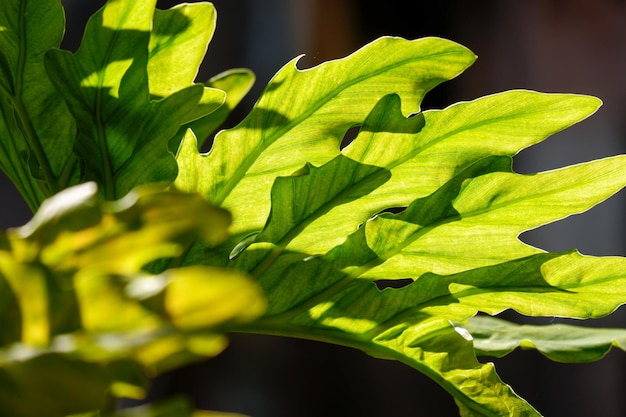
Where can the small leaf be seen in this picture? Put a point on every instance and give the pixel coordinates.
(75, 287)
(236, 83)
(557, 341)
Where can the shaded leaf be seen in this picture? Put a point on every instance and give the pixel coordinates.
(36, 128)
(123, 134)
(48, 385)
(558, 341)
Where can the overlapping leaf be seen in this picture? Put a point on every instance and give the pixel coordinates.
(83, 310)
(123, 133)
(37, 131)
(322, 243)
(558, 341)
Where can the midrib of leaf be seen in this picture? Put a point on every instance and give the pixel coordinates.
(324, 209)
(24, 119)
(105, 158)
(438, 138)
(247, 163)
(356, 272)
(362, 343)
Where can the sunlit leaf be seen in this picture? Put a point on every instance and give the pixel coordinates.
(323, 236)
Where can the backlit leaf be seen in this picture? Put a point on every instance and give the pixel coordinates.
(37, 132)
(123, 133)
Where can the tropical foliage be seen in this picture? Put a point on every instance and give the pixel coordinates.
(144, 253)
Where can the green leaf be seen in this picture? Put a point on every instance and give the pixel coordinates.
(178, 43)
(486, 212)
(558, 341)
(236, 83)
(427, 197)
(37, 131)
(305, 113)
(123, 134)
(324, 235)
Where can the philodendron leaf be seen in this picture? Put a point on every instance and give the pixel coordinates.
(557, 341)
(303, 114)
(75, 290)
(123, 133)
(37, 132)
(428, 197)
(310, 221)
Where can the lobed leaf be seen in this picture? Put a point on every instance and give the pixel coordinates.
(326, 235)
(427, 197)
(305, 113)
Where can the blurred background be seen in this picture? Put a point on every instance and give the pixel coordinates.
(573, 46)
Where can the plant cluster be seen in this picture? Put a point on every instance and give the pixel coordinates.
(144, 252)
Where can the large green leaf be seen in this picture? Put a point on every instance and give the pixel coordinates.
(37, 132)
(324, 239)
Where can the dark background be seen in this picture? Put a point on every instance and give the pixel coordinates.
(575, 46)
